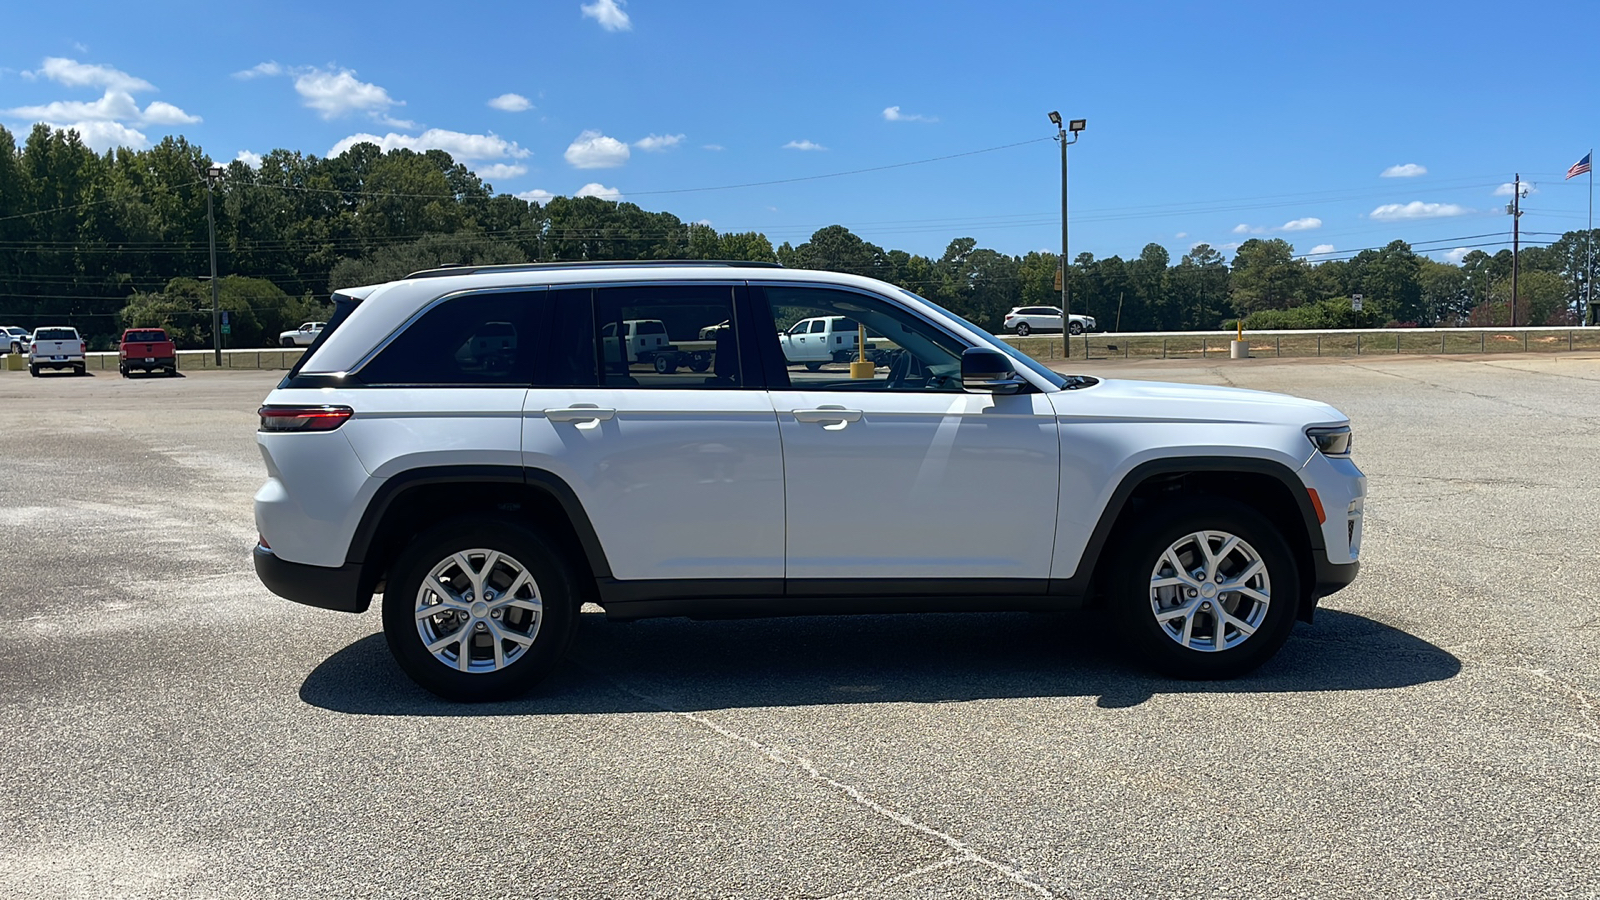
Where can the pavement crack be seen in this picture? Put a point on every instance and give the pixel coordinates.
(963, 852)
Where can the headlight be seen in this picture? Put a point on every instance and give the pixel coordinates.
(1331, 441)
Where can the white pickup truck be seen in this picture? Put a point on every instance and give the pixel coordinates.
(821, 339)
(302, 336)
(57, 347)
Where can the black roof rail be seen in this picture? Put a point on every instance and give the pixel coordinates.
(448, 269)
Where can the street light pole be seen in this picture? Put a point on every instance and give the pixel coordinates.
(211, 176)
(1075, 126)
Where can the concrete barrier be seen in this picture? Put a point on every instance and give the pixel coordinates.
(280, 358)
(1336, 343)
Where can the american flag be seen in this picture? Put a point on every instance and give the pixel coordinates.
(1580, 167)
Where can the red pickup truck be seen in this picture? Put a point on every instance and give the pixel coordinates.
(147, 350)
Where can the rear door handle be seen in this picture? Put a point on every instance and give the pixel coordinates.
(580, 413)
(827, 415)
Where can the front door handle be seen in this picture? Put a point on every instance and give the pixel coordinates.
(827, 415)
(580, 412)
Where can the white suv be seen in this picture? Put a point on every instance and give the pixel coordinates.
(1024, 320)
(488, 495)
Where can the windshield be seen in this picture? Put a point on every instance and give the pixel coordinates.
(1023, 359)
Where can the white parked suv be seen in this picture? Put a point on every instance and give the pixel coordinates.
(487, 499)
(304, 336)
(1024, 320)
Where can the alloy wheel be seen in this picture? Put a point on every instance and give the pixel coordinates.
(478, 610)
(1210, 591)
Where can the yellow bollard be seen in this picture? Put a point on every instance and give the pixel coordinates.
(862, 368)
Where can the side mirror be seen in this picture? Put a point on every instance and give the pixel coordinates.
(985, 371)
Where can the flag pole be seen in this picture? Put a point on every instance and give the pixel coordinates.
(1588, 276)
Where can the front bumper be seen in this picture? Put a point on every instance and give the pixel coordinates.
(337, 589)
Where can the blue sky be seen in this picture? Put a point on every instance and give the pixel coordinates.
(1206, 122)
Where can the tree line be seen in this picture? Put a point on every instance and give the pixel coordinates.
(119, 239)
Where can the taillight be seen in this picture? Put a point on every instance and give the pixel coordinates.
(303, 418)
(83, 347)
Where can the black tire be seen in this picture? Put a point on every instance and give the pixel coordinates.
(664, 366)
(171, 372)
(33, 370)
(1135, 565)
(1076, 328)
(122, 370)
(81, 369)
(813, 367)
(287, 342)
(1023, 330)
(557, 591)
(700, 362)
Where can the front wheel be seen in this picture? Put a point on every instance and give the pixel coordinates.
(1076, 328)
(1023, 330)
(481, 609)
(813, 367)
(1207, 590)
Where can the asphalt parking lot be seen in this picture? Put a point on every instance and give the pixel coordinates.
(174, 730)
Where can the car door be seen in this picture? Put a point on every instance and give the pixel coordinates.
(680, 474)
(904, 475)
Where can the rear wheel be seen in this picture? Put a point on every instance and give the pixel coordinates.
(33, 370)
(122, 369)
(1023, 329)
(664, 366)
(1205, 590)
(813, 367)
(480, 609)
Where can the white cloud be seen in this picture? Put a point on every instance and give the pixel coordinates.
(1416, 209)
(893, 114)
(593, 150)
(1409, 170)
(1321, 249)
(113, 106)
(80, 46)
(803, 145)
(1182, 234)
(103, 136)
(501, 170)
(511, 103)
(455, 143)
(392, 122)
(159, 113)
(711, 147)
(1229, 247)
(705, 222)
(1510, 187)
(609, 14)
(260, 70)
(72, 73)
(535, 196)
(595, 189)
(253, 160)
(1457, 255)
(1305, 224)
(336, 93)
(657, 143)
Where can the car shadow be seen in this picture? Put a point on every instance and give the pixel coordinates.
(682, 665)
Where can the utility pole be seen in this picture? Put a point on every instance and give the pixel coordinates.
(211, 176)
(1516, 233)
(1075, 126)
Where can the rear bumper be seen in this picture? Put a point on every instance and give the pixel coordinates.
(337, 589)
